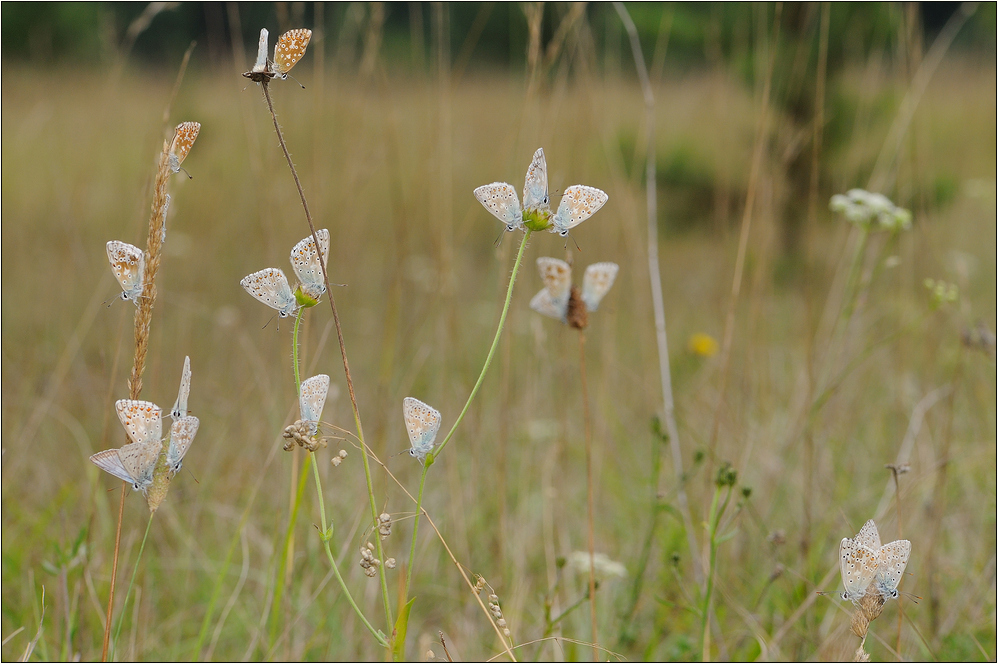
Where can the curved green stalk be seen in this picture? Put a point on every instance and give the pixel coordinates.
(457, 422)
(131, 582)
(294, 351)
(326, 535)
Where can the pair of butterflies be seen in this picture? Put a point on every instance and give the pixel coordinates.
(578, 203)
(422, 422)
(288, 50)
(312, 400)
(552, 300)
(271, 287)
(143, 422)
(864, 562)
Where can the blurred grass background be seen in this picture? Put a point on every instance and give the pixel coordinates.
(407, 108)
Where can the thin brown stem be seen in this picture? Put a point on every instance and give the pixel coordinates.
(114, 574)
(339, 338)
(587, 418)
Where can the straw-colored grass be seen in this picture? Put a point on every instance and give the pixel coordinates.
(424, 290)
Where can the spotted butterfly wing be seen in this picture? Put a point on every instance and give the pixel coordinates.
(289, 50)
(110, 462)
(577, 204)
(535, 185)
(869, 536)
(500, 200)
(421, 423)
(891, 562)
(179, 409)
(270, 286)
(596, 282)
(305, 261)
(858, 566)
(127, 264)
(142, 420)
(181, 436)
(183, 140)
(312, 400)
(140, 462)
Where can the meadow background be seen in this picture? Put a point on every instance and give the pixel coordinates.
(406, 109)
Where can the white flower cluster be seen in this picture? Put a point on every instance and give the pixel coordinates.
(863, 208)
(603, 566)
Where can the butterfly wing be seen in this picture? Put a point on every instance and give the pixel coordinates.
(500, 199)
(858, 565)
(535, 185)
(305, 261)
(260, 65)
(892, 559)
(109, 462)
(127, 264)
(270, 286)
(869, 536)
(544, 304)
(181, 436)
(140, 461)
(289, 50)
(179, 409)
(422, 422)
(313, 399)
(596, 282)
(183, 139)
(578, 204)
(142, 420)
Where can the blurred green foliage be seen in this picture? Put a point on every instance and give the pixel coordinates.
(701, 33)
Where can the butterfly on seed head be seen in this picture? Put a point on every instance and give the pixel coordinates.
(185, 426)
(553, 299)
(179, 409)
(288, 51)
(270, 286)
(305, 261)
(892, 558)
(858, 567)
(183, 139)
(422, 422)
(135, 462)
(312, 400)
(128, 265)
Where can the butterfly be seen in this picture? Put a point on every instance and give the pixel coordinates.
(499, 198)
(128, 264)
(869, 536)
(553, 299)
(142, 420)
(288, 51)
(133, 463)
(270, 286)
(183, 140)
(179, 409)
(305, 261)
(181, 436)
(858, 565)
(312, 400)
(578, 203)
(892, 558)
(422, 423)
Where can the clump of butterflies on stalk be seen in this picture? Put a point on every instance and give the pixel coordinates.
(127, 260)
(869, 568)
(143, 423)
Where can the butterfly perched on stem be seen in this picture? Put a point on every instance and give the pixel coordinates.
(127, 264)
(183, 140)
(287, 52)
(422, 422)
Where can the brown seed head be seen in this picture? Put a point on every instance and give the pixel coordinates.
(578, 315)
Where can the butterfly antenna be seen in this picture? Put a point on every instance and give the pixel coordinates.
(499, 239)
(576, 243)
(193, 476)
(296, 81)
(189, 176)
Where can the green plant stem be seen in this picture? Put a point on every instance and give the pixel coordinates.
(457, 422)
(492, 350)
(294, 345)
(326, 536)
(131, 582)
(713, 522)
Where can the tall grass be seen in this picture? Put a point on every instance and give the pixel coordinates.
(74, 162)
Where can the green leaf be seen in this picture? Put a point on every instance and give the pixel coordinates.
(398, 634)
(727, 536)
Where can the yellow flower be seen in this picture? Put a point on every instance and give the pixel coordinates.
(702, 344)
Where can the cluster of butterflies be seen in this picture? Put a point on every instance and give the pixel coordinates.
(127, 260)
(578, 203)
(552, 300)
(271, 287)
(865, 563)
(143, 422)
(288, 50)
